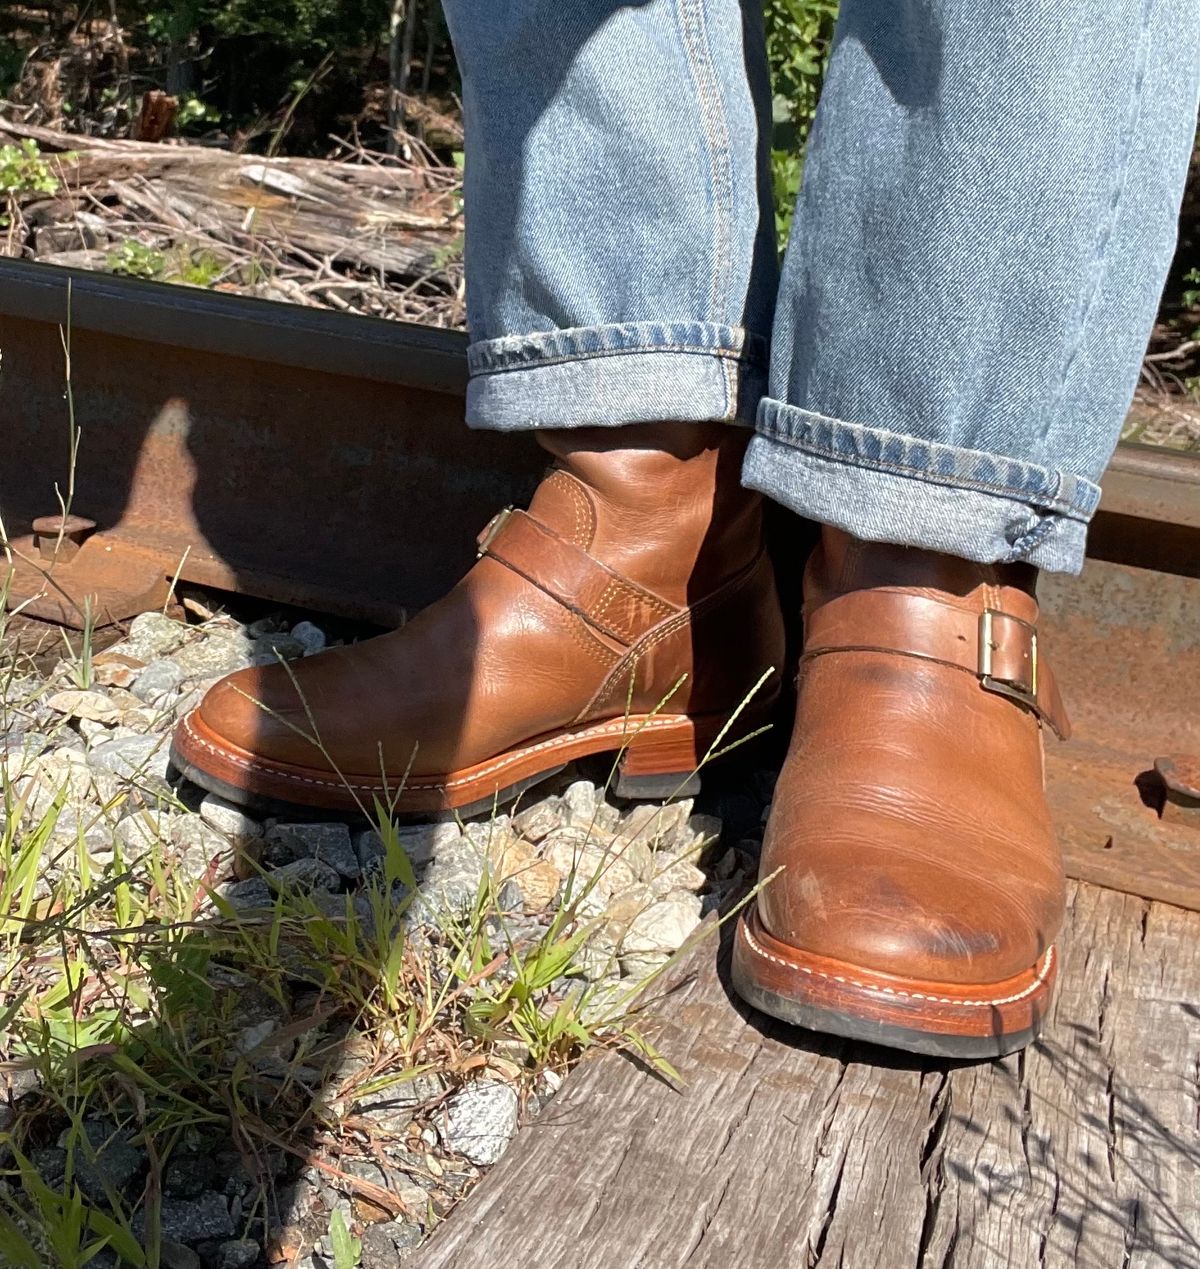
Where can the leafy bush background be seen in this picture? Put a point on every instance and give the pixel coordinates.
(799, 33)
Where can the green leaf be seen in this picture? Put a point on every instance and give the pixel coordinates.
(346, 1250)
(17, 1250)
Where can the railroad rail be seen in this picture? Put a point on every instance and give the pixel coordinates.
(284, 452)
(320, 460)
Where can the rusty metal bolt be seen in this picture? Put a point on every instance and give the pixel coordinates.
(1180, 774)
(61, 536)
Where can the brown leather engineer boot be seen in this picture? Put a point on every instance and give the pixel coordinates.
(631, 608)
(919, 884)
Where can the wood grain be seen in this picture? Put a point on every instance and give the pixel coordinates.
(786, 1149)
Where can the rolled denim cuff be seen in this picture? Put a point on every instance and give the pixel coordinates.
(691, 372)
(886, 487)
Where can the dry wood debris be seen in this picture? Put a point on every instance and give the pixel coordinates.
(365, 234)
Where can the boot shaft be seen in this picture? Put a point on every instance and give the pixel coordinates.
(660, 503)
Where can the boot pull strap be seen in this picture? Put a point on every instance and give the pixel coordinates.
(1000, 650)
(614, 605)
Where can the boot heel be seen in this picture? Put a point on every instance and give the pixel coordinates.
(661, 763)
(657, 765)
(656, 788)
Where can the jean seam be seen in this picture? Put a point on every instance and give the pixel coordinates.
(716, 133)
(728, 355)
(1028, 542)
(922, 473)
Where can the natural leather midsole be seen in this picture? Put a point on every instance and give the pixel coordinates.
(823, 975)
(612, 734)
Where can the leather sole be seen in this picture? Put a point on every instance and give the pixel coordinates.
(952, 1020)
(654, 750)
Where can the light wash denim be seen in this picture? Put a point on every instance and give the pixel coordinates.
(988, 213)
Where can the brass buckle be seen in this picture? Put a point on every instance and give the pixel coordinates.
(1025, 694)
(491, 531)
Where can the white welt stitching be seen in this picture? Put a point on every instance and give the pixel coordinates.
(896, 991)
(620, 727)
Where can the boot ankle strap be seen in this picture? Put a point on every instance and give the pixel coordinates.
(998, 648)
(614, 605)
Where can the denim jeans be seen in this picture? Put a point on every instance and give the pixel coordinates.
(988, 214)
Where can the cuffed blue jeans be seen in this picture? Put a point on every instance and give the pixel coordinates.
(988, 213)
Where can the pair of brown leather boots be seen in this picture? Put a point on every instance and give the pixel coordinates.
(913, 883)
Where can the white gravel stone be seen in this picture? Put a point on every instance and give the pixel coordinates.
(144, 720)
(251, 1037)
(574, 850)
(485, 834)
(158, 682)
(637, 855)
(682, 874)
(219, 653)
(141, 832)
(113, 673)
(580, 801)
(657, 826)
(662, 927)
(425, 842)
(480, 1120)
(541, 819)
(450, 884)
(596, 961)
(241, 829)
(93, 706)
(151, 635)
(392, 1106)
(202, 848)
(309, 636)
(39, 780)
(132, 757)
(587, 810)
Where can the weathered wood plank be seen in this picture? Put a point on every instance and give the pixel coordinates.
(792, 1150)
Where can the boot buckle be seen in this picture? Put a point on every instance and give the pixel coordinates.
(1019, 683)
(491, 531)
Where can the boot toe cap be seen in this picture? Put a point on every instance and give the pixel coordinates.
(257, 711)
(930, 923)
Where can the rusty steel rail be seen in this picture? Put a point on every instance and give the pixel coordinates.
(322, 460)
(296, 454)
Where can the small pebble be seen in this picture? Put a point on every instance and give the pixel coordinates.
(238, 1253)
(239, 827)
(480, 1120)
(132, 757)
(310, 637)
(157, 682)
(328, 842)
(94, 706)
